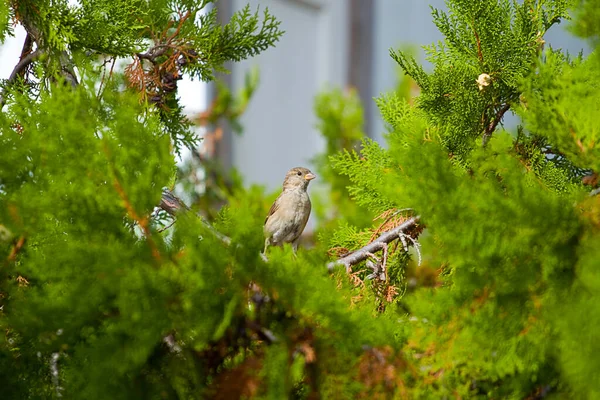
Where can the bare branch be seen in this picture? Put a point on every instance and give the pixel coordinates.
(23, 63)
(19, 68)
(378, 244)
(27, 49)
(494, 123)
(172, 205)
(154, 53)
(167, 227)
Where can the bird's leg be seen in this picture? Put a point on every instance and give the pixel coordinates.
(263, 255)
(295, 245)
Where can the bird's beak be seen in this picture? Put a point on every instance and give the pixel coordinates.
(310, 176)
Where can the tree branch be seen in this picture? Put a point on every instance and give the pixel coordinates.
(23, 63)
(494, 123)
(19, 68)
(27, 49)
(172, 205)
(376, 245)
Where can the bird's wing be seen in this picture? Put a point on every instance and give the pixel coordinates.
(305, 219)
(273, 208)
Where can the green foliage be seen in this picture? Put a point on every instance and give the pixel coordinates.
(340, 119)
(4, 20)
(570, 92)
(67, 182)
(512, 313)
(340, 122)
(367, 172)
(246, 35)
(109, 27)
(587, 14)
(165, 39)
(499, 38)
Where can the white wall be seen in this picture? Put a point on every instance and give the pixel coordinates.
(279, 124)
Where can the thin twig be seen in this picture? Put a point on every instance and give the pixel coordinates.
(101, 86)
(479, 52)
(494, 123)
(416, 245)
(141, 221)
(167, 227)
(22, 64)
(152, 54)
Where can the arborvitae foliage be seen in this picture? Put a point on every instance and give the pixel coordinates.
(340, 122)
(514, 233)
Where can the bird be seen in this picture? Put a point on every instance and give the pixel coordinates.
(289, 213)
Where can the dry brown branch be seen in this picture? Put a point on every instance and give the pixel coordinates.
(161, 77)
(15, 249)
(479, 52)
(390, 220)
(143, 222)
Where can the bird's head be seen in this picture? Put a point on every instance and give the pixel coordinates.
(298, 177)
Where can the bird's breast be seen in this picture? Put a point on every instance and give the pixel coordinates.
(289, 220)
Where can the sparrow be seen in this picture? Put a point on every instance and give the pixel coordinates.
(290, 211)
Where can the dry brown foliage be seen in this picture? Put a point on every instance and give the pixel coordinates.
(158, 76)
(380, 371)
(240, 382)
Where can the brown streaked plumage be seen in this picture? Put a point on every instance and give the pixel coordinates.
(290, 211)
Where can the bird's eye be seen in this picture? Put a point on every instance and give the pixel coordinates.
(299, 173)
